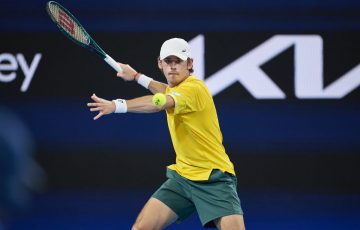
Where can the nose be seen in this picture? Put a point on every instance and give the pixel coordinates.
(173, 64)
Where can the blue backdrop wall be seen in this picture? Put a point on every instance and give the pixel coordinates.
(317, 132)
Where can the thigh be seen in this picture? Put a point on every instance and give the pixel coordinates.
(230, 222)
(176, 195)
(217, 198)
(155, 215)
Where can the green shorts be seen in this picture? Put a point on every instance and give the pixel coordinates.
(212, 199)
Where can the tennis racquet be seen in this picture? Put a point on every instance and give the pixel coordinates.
(72, 28)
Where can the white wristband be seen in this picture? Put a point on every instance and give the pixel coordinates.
(120, 106)
(144, 80)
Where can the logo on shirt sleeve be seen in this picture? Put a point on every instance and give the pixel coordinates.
(175, 93)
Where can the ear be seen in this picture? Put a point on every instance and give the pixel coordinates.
(190, 63)
(159, 63)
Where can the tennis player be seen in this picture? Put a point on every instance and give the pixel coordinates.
(203, 177)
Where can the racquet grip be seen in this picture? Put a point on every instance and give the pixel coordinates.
(113, 63)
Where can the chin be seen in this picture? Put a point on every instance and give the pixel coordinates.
(172, 82)
(171, 78)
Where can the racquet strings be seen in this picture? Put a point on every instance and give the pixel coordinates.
(68, 24)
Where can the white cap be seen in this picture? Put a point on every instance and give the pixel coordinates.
(177, 47)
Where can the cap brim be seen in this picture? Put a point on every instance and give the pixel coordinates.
(183, 57)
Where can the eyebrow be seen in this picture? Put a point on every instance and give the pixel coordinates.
(173, 60)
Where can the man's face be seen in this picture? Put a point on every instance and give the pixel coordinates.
(175, 69)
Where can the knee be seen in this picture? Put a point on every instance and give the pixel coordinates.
(135, 227)
(139, 226)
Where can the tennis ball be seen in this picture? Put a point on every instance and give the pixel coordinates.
(159, 99)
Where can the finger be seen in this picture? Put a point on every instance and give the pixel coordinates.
(99, 99)
(95, 98)
(98, 116)
(102, 100)
(93, 104)
(122, 65)
(95, 109)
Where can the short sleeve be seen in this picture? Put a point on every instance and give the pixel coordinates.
(188, 97)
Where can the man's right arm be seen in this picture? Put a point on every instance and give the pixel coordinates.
(157, 87)
(129, 74)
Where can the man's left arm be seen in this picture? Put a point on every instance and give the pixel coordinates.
(137, 105)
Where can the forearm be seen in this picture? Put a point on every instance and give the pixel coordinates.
(129, 74)
(157, 87)
(152, 85)
(142, 105)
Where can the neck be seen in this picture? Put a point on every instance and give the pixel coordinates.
(176, 84)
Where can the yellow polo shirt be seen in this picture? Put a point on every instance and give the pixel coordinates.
(195, 131)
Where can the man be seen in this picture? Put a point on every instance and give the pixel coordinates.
(203, 177)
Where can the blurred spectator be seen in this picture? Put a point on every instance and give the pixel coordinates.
(19, 173)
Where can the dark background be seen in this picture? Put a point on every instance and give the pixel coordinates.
(294, 145)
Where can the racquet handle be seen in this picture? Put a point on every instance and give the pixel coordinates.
(113, 63)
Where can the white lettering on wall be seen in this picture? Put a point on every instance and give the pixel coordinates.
(308, 65)
(9, 65)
